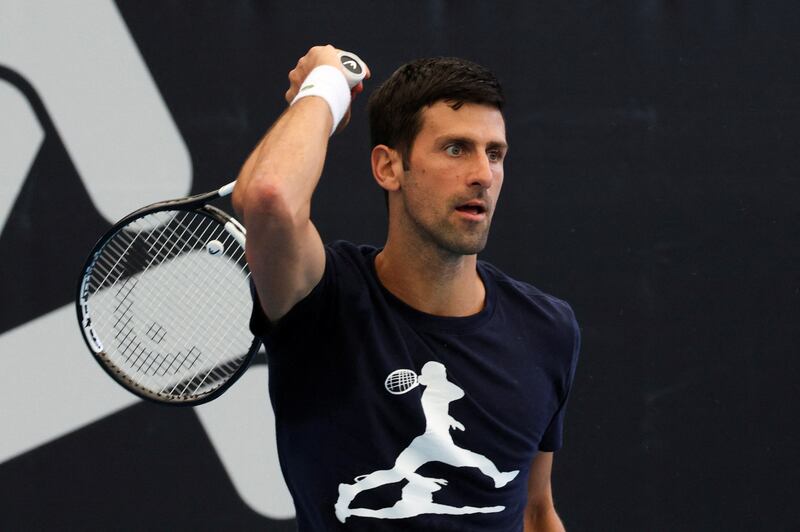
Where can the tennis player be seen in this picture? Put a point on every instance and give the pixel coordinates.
(470, 447)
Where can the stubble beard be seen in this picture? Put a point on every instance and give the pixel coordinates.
(450, 238)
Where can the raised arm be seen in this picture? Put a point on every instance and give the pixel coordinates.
(273, 193)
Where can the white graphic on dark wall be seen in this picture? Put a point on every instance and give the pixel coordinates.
(106, 109)
(434, 445)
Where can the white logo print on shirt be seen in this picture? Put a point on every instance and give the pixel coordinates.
(434, 445)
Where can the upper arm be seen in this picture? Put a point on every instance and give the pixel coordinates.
(540, 513)
(286, 259)
(540, 491)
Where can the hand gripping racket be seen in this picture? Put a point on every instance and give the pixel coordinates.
(164, 297)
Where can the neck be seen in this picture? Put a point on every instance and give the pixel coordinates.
(430, 280)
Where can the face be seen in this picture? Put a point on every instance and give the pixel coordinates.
(454, 175)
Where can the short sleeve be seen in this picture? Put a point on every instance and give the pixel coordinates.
(310, 309)
(552, 440)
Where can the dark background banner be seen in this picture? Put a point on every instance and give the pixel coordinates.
(653, 181)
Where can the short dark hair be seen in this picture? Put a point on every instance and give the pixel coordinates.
(395, 108)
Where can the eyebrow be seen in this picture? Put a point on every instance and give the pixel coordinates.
(465, 140)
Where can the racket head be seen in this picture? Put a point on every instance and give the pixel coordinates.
(164, 302)
(401, 381)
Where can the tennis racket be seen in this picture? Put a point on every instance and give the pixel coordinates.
(401, 381)
(164, 297)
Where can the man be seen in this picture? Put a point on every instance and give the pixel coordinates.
(464, 440)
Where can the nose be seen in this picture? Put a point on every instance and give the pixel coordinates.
(482, 172)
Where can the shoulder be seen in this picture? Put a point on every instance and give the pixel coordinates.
(550, 319)
(510, 288)
(342, 257)
(350, 250)
(543, 311)
(346, 278)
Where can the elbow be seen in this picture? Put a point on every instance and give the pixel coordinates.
(263, 200)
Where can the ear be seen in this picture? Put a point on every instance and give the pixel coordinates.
(387, 167)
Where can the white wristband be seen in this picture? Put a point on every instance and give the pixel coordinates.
(329, 83)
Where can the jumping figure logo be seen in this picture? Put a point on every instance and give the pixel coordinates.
(434, 445)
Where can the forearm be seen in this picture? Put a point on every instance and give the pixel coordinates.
(288, 161)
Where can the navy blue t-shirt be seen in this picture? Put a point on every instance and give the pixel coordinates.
(453, 452)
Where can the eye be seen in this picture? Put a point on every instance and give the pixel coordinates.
(495, 155)
(454, 150)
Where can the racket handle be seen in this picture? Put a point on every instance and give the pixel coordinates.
(354, 68)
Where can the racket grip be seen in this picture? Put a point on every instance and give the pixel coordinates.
(354, 68)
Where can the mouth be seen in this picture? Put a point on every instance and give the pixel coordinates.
(473, 209)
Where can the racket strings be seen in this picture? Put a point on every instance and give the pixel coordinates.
(139, 262)
(173, 304)
(179, 304)
(131, 255)
(187, 361)
(133, 262)
(137, 259)
(226, 308)
(183, 304)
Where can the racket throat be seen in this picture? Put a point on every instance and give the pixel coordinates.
(236, 230)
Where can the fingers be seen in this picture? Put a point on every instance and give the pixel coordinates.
(316, 56)
(295, 79)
